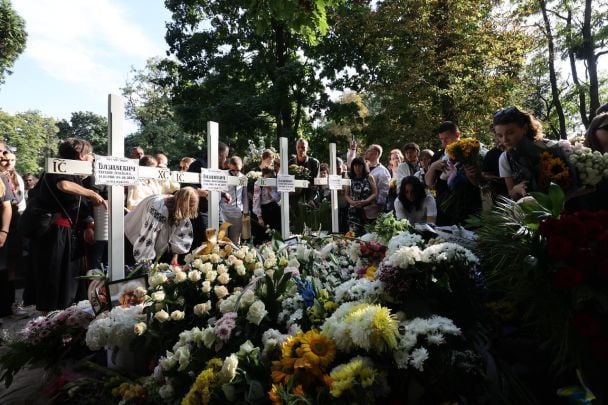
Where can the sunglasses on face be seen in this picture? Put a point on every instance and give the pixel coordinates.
(505, 111)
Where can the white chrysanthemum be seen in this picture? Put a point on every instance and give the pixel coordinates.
(182, 355)
(404, 238)
(360, 289)
(447, 251)
(418, 357)
(405, 256)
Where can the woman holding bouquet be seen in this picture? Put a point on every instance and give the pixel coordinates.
(529, 163)
(361, 193)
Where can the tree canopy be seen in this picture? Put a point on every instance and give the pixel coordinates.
(12, 38)
(86, 125)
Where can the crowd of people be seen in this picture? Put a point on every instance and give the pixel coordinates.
(168, 219)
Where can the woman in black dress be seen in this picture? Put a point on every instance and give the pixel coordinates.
(57, 256)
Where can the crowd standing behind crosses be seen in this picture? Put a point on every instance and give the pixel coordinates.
(164, 217)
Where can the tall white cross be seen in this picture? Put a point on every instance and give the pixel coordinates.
(116, 147)
(335, 183)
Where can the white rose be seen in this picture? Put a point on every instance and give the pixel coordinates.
(161, 316)
(220, 291)
(177, 315)
(240, 254)
(215, 258)
(194, 276)
(158, 296)
(206, 267)
(257, 312)
(140, 328)
(250, 257)
(180, 277)
(206, 288)
(202, 309)
(197, 263)
(157, 279)
(224, 278)
(258, 272)
(211, 275)
(247, 298)
(229, 367)
(221, 269)
(240, 269)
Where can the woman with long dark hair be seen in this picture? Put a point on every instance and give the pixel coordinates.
(414, 203)
(522, 138)
(360, 194)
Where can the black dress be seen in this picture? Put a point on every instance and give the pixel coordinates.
(57, 257)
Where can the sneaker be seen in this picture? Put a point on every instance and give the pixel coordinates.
(19, 312)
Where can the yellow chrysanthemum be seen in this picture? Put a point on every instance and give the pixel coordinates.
(200, 392)
(345, 377)
(318, 349)
(370, 272)
(382, 332)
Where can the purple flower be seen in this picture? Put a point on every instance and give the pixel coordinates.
(224, 326)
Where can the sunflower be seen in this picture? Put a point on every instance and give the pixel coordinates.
(291, 345)
(274, 395)
(282, 370)
(318, 349)
(553, 170)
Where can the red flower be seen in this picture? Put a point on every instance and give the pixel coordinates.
(599, 349)
(585, 325)
(568, 277)
(559, 248)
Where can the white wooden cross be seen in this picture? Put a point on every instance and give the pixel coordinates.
(335, 183)
(116, 195)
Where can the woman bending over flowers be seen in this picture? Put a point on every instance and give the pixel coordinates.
(529, 163)
(161, 223)
(414, 203)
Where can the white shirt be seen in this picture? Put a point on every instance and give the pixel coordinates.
(383, 178)
(239, 199)
(148, 229)
(504, 167)
(262, 196)
(428, 209)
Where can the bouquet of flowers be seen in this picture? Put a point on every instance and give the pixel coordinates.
(591, 166)
(462, 153)
(300, 172)
(386, 226)
(116, 328)
(47, 341)
(553, 169)
(252, 177)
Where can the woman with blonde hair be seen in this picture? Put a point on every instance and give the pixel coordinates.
(161, 224)
(7, 289)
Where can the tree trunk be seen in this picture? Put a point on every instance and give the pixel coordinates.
(443, 46)
(589, 49)
(582, 99)
(552, 76)
(283, 110)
